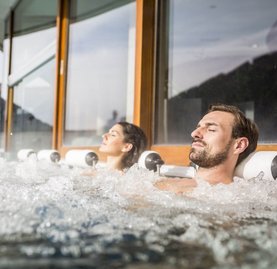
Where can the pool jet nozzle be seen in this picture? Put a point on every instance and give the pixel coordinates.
(91, 159)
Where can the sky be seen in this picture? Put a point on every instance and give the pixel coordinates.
(215, 36)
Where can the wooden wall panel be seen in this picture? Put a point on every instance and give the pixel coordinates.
(62, 36)
(9, 103)
(179, 155)
(144, 61)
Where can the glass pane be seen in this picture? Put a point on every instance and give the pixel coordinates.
(2, 100)
(216, 51)
(100, 81)
(33, 74)
(33, 109)
(34, 31)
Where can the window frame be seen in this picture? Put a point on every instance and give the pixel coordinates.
(145, 83)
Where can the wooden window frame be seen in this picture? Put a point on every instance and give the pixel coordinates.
(144, 61)
(144, 97)
(147, 42)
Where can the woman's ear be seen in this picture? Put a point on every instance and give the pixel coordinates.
(127, 147)
(241, 144)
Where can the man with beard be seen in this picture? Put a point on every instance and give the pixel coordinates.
(222, 139)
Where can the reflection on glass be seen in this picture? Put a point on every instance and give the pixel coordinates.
(2, 121)
(100, 80)
(33, 30)
(33, 110)
(216, 51)
(2, 100)
(32, 73)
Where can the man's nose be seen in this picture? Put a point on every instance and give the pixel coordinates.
(197, 133)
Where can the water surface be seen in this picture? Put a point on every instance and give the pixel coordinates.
(51, 216)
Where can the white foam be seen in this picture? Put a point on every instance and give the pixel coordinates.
(57, 203)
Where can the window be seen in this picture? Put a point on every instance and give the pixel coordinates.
(2, 100)
(33, 74)
(215, 51)
(100, 78)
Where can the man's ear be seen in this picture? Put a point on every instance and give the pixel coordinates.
(241, 144)
(127, 147)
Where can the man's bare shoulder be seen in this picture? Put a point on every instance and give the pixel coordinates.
(177, 185)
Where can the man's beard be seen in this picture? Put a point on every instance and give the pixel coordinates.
(204, 159)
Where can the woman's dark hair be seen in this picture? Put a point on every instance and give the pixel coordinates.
(135, 136)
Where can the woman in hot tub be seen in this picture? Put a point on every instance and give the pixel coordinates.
(123, 145)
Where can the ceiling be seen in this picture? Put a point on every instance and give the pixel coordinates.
(5, 6)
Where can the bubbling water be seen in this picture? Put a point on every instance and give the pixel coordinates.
(52, 215)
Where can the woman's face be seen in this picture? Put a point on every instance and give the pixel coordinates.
(113, 142)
